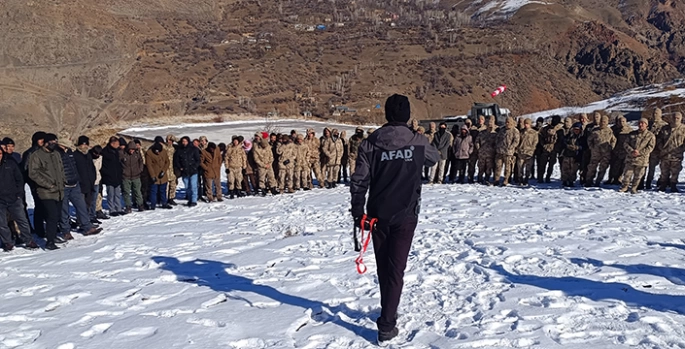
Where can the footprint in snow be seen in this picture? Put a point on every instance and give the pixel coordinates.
(96, 330)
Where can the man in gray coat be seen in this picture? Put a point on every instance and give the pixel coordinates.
(442, 142)
(462, 148)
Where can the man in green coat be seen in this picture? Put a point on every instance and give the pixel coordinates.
(47, 171)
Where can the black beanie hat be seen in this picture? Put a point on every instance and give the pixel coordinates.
(159, 139)
(122, 141)
(156, 147)
(7, 141)
(397, 108)
(83, 140)
(50, 137)
(37, 136)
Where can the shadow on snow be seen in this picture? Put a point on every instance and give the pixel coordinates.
(599, 291)
(215, 275)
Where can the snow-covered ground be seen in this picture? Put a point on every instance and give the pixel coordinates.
(490, 268)
(222, 132)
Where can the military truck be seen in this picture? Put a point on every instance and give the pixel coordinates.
(486, 109)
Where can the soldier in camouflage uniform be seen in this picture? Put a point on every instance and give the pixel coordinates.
(333, 149)
(618, 158)
(173, 178)
(587, 153)
(353, 145)
(485, 145)
(638, 148)
(314, 146)
(657, 124)
(548, 145)
(301, 175)
(601, 144)
(571, 155)
(526, 151)
(473, 159)
(506, 143)
(264, 158)
(235, 162)
(670, 142)
(286, 164)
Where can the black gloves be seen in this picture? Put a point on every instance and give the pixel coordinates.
(161, 175)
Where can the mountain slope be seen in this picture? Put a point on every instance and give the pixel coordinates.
(75, 65)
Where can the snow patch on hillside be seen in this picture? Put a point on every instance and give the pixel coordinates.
(627, 101)
(503, 7)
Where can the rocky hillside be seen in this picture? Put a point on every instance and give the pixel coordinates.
(76, 65)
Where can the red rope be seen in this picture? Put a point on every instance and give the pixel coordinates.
(361, 268)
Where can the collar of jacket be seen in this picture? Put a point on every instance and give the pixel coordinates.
(396, 124)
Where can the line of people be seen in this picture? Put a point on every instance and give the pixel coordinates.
(586, 151)
(62, 175)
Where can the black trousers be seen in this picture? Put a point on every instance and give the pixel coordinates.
(38, 214)
(15, 210)
(391, 244)
(53, 212)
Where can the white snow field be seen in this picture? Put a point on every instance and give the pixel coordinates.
(222, 132)
(490, 268)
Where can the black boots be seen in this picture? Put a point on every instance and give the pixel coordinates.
(387, 336)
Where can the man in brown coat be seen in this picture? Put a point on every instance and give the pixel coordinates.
(158, 170)
(264, 159)
(286, 164)
(638, 147)
(210, 161)
(314, 146)
(132, 165)
(526, 151)
(236, 161)
(671, 144)
(505, 150)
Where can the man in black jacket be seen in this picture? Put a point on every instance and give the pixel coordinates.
(112, 176)
(73, 195)
(389, 165)
(87, 175)
(186, 162)
(38, 210)
(11, 192)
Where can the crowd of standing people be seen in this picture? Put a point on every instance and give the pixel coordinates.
(588, 151)
(62, 174)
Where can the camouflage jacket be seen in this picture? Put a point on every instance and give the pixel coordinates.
(642, 141)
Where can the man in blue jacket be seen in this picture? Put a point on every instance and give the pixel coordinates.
(389, 166)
